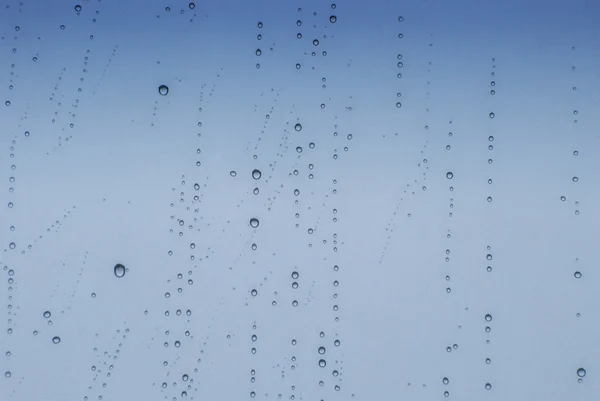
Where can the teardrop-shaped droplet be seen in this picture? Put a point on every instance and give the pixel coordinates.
(119, 270)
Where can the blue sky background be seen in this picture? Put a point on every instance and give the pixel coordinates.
(119, 186)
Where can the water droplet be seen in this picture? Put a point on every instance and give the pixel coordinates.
(260, 24)
(254, 222)
(298, 127)
(56, 339)
(492, 115)
(256, 174)
(232, 173)
(333, 19)
(315, 42)
(258, 52)
(575, 179)
(78, 8)
(322, 363)
(254, 292)
(192, 5)
(321, 350)
(488, 318)
(445, 380)
(47, 314)
(163, 90)
(577, 274)
(119, 270)
(488, 386)
(449, 175)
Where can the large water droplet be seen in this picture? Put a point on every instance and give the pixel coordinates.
(449, 175)
(298, 127)
(163, 90)
(581, 372)
(254, 222)
(56, 339)
(119, 270)
(333, 19)
(256, 174)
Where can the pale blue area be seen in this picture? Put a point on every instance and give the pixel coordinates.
(119, 187)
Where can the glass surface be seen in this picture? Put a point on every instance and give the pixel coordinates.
(300, 200)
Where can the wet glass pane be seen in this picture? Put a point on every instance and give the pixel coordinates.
(299, 200)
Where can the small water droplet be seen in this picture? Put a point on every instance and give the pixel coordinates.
(492, 115)
(256, 174)
(298, 127)
(254, 222)
(333, 19)
(163, 90)
(119, 270)
(56, 339)
(449, 175)
(577, 274)
(47, 314)
(78, 8)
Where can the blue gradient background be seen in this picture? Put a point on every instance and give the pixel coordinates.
(115, 186)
